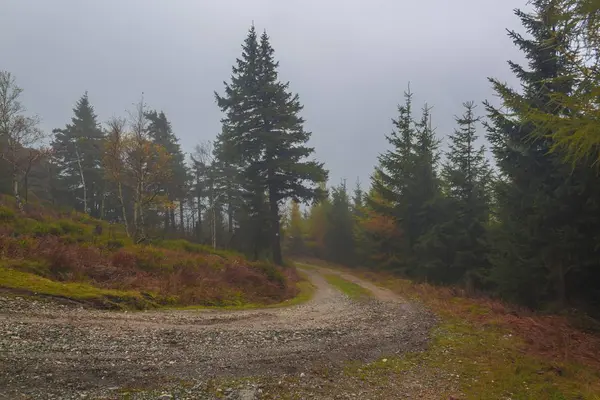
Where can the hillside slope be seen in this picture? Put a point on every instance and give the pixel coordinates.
(73, 256)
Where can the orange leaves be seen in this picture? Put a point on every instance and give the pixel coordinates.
(379, 225)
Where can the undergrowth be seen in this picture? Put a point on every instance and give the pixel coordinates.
(72, 255)
(489, 349)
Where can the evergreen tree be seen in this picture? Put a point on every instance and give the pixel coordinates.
(407, 185)
(467, 170)
(577, 38)
(425, 189)
(266, 131)
(457, 243)
(317, 226)
(545, 241)
(427, 207)
(78, 153)
(227, 174)
(358, 198)
(378, 236)
(393, 181)
(161, 133)
(339, 237)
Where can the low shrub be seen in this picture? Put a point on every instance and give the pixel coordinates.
(6, 214)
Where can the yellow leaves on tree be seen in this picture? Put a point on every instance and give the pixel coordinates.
(133, 161)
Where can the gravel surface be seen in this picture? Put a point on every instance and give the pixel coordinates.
(64, 351)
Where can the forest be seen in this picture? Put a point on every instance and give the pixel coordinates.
(523, 225)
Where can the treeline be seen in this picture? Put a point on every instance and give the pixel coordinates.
(132, 170)
(529, 229)
(525, 225)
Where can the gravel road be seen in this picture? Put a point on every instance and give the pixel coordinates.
(50, 350)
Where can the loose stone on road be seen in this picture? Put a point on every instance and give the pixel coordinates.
(52, 350)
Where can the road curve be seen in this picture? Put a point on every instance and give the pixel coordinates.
(50, 350)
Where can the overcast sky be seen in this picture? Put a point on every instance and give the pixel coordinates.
(349, 60)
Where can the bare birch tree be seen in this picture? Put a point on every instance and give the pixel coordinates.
(147, 165)
(17, 131)
(113, 161)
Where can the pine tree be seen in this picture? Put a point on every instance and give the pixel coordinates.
(358, 198)
(545, 239)
(457, 241)
(427, 208)
(77, 151)
(339, 238)
(265, 129)
(378, 236)
(318, 226)
(393, 181)
(576, 38)
(406, 184)
(467, 170)
(425, 185)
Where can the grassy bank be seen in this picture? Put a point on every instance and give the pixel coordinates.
(486, 349)
(71, 255)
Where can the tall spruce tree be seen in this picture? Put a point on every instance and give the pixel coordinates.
(266, 131)
(426, 205)
(339, 237)
(358, 198)
(393, 181)
(545, 241)
(406, 184)
(78, 153)
(457, 241)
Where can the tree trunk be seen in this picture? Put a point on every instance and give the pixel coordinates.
(181, 216)
(15, 185)
(122, 201)
(26, 184)
(230, 218)
(142, 222)
(85, 207)
(561, 289)
(275, 239)
(199, 226)
(167, 219)
(102, 204)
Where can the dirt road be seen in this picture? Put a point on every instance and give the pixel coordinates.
(50, 350)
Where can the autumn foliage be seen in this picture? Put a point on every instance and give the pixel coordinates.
(63, 249)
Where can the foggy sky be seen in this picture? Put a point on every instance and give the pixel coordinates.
(350, 61)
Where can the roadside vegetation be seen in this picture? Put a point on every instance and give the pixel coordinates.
(484, 348)
(71, 255)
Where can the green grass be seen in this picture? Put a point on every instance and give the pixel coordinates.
(350, 289)
(485, 363)
(36, 285)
